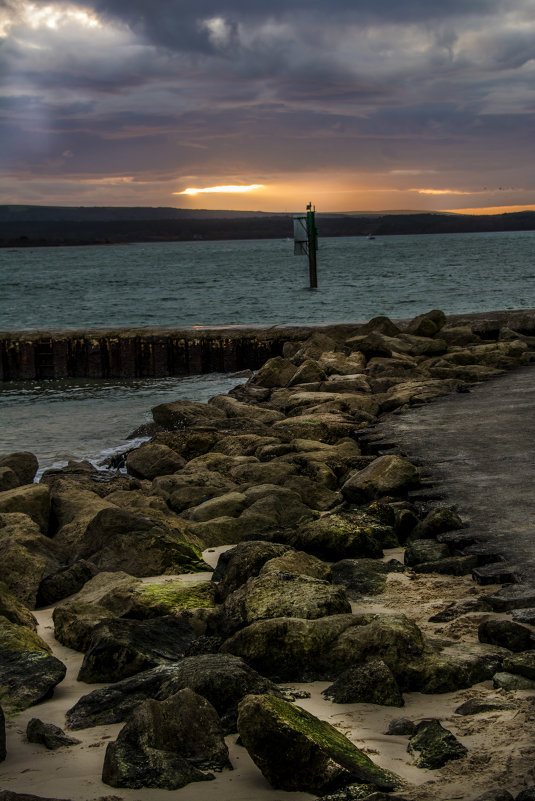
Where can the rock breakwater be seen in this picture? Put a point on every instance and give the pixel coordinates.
(335, 568)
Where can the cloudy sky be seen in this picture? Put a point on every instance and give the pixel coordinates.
(351, 104)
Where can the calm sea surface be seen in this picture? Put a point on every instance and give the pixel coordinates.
(225, 283)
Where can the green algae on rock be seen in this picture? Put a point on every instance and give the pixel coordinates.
(298, 752)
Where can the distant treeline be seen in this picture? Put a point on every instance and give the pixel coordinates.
(32, 226)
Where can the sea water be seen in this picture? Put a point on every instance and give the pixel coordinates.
(256, 282)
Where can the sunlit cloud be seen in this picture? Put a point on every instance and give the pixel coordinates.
(193, 190)
(53, 16)
(441, 192)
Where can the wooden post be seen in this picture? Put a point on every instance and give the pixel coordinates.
(312, 233)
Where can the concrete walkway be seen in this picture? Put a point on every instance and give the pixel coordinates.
(478, 449)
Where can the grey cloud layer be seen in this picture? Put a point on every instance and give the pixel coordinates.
(174, 87)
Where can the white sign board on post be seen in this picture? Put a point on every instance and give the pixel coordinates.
(300, 235)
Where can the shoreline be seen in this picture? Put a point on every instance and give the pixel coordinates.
(418, 594)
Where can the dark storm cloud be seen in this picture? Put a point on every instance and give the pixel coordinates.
(241, 87)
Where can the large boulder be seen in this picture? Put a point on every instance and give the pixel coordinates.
(338, 536)
(30, 499)
(298, 752)
(294, 649)
(386, 475)
(151, 460)
(522, 664)
(275, 594)
(323, 427)
(183, 414)
(223, 679)
(117, 539)
(507, 634)
(298, 563)
(242, 562)
(276, 372)
(370, 683)
(65, 582)
(231, 504)
(22, 464)
(167, 744)
(428, 324)
(337, 363)
(14, 610)
(14, 637)
(234, 408)
(27, 556)
(28, 677)
(119, 647)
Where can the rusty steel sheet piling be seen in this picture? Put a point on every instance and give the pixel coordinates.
(142, 353)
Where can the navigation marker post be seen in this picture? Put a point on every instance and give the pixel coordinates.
(306, 241)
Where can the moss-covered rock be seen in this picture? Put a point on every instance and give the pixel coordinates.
(522, 664)
(22, 464)
(298, 752)
(425, 551)
(223, 679)
(120, 540)
(171, 598)
(27, 556)
(30, 499)
(433, 746)
(275, 594)
(119, 648)
(339, 536)
(14, 610)
(242, 562)
(293, 649)
(14, 637)
(298, 563)
(74, 623)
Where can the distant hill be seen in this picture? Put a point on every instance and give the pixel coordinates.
(32, 226)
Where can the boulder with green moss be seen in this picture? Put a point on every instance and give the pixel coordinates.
(298, 752)
(27, 556)
(14, 637)
(338, 536)
(299, 563)
(522, 664)
(275, 594)
(22, 464)
(294, 649)
(30, 499)
(182, 414)
(74, 623)
(14, 610)
(117, 539)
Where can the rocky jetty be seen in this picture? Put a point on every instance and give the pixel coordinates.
(319, 533)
